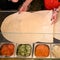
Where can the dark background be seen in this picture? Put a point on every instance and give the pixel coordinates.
(3, 15)
(8, 5)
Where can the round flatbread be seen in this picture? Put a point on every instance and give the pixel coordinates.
(28, 27)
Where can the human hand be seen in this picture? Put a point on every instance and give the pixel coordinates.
(23, 8)
(54, 17)
(14, 1)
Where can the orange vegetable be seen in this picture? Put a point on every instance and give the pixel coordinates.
(7, 49)
(42, 50)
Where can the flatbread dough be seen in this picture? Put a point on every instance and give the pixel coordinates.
(57, 27)
(28, 27)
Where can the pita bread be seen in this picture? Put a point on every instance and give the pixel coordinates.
(28, 27)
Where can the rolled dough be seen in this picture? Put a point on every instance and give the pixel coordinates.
(28, 27)
(57, 27)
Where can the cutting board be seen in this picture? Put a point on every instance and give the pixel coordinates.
(28, 27)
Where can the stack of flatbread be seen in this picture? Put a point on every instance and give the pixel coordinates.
(57, 28)
(28, 27)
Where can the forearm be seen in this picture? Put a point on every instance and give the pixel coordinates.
(27, 2)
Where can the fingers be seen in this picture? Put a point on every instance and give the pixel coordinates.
(25, 6)
(54, 17)
(54, 21)
(23, 9)
(14, 1)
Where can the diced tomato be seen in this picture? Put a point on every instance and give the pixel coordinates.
(7, 49)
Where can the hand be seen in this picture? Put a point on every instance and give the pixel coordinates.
(14, 1)
(23, 8)
(54, 17)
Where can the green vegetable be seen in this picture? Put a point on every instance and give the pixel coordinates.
(24, 50)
